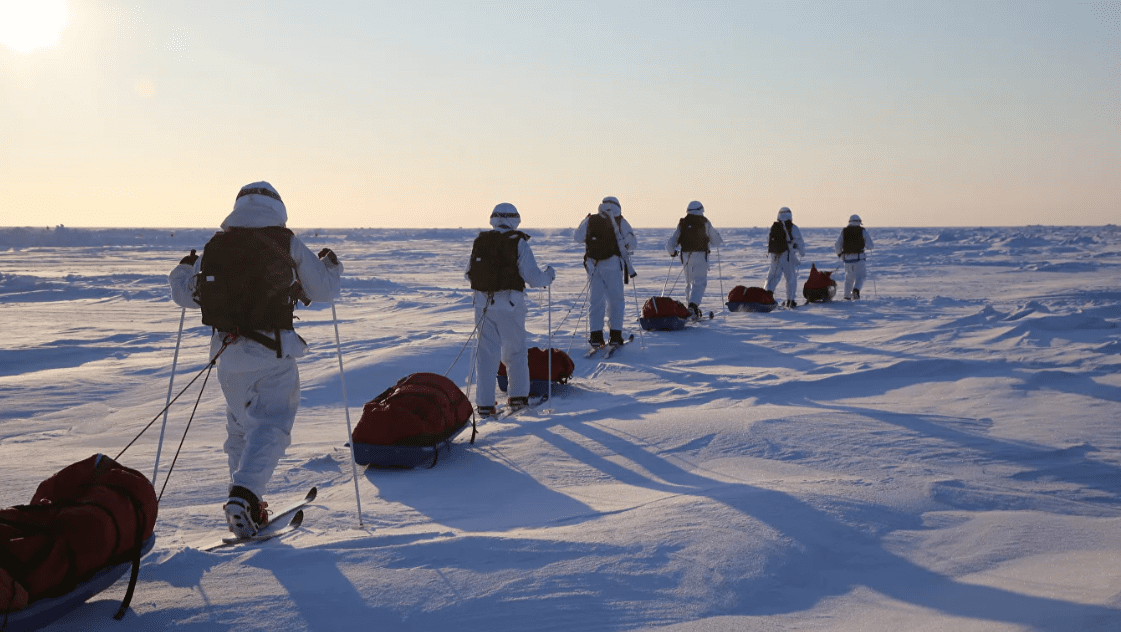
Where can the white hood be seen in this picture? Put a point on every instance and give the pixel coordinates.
(611, 207)
(255, 210)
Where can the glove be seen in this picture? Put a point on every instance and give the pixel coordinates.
(674, 254)
(329, 255)
(552, 274)
(190, 259)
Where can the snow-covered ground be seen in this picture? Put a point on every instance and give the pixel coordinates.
(944, 455)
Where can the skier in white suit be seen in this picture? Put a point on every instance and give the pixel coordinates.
(609, 241)
(257, 364)
(692, 240)
(851, 244)
(785, 245)
(501, 266)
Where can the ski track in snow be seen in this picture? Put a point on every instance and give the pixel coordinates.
(944, 455)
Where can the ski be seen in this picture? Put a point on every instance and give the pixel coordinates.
(613, 348)
(610, 348)
(272, 530)
(594, 350)
(502, 411)
(277, 525)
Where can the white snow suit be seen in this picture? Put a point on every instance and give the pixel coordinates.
(501, 327)
(786, 263)
(855, 263)
(605, 277)
(695, 262)
(262, 391)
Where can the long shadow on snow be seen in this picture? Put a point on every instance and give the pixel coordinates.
(852, 558)
(510, 499)
(471, 583)
(1071, 465)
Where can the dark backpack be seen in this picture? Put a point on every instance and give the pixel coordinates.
(90, 515)
(421, 409)
(494, 261)
(600, 239)
(779, 241)
(248, 282)
(852, 240)
(693, 236)
(662, 306)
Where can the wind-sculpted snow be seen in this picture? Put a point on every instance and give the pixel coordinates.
(944, 453)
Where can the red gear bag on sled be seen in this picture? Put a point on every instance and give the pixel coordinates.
(819, 286)
(539, 379)
(750, 299)
(90, 518)
(409, 422)
(663, 313)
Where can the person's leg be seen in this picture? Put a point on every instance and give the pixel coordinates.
(511, 325)
(616, 295)
(487, 360)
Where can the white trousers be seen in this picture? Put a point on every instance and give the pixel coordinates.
(855, 273)
(783, 265)
(262, 396)
(696, 276)
(501, 340)
(605, 293)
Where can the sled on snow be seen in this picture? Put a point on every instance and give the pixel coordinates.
(750, 299)
(662, 313)
(85, 527)
(408, 423)
(819, 286)
(539, 377)
(49, 609)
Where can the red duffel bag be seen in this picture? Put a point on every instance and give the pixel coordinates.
(419, 410)
(90, 515)
(563, 366)
(741, 294)
(662, 306)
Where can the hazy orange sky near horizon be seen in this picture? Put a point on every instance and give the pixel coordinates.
(427, 114)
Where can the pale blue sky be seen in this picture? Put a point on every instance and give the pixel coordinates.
(419, 114)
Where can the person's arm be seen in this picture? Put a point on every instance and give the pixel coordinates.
(320, 278)
(182, 281)
(580, 235)
(671, 244)
(630, 241)
(714, 238)
(527, 267)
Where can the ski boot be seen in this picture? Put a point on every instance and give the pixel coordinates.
(856, 294)
(596, 339)
(245, 513)
(517, 403)
(616, 339)
(694, 311)
(487, 411)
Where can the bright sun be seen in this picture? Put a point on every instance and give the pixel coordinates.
(29, 24)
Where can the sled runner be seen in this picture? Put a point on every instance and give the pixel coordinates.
(750, 299)
(407, 424)
(819, 286)
(84, 528)
(49, 609)
(539, 378)
(662, 313)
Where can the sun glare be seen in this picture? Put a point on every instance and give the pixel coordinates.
(29, 24)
